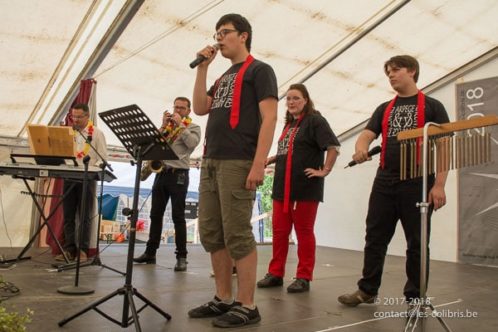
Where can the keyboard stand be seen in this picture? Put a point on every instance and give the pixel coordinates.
(21, 257)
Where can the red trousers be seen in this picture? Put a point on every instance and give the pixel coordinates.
(302, 214)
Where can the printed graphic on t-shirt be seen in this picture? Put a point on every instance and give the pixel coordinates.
(224, 92)
(283, 145)
(402, 117)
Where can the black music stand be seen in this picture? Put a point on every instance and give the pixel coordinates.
(42, 160)
(144, 142)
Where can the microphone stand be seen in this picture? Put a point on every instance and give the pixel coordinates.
(96, 259)
(76, 289)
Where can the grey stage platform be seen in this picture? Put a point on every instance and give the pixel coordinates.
(456, 288)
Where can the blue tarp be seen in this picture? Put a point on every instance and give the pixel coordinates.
(109, 205)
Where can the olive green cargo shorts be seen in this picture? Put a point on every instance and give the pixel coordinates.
(225, 207)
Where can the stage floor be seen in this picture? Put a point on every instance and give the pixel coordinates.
(456, 289)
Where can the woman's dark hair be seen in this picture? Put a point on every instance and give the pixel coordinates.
(309, 107)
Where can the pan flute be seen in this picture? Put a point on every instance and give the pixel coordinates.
(450, 145)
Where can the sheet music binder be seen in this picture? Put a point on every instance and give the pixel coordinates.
(51, 140)
(134, 128)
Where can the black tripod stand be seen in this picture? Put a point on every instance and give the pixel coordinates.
(144, 142)
(420, 311)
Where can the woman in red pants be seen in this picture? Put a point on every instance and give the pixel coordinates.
(307, 150)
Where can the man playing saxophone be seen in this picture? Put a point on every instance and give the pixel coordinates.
(172, 181)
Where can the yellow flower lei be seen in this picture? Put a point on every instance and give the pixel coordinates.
(172, 132)
(86, 147)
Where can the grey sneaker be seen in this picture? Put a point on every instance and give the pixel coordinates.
(352, 300)
(269, 280)
(181, 264)
(299, 285)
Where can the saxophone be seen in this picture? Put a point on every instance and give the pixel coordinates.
(149, 167)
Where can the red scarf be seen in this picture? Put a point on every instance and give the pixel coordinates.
(288, 165)
(385, 123)
(237, 91)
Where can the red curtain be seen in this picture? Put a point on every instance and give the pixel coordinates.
(57, 220)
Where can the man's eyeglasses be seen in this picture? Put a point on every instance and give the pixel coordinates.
(222, 33)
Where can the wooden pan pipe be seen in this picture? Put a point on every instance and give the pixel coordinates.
(451, 145)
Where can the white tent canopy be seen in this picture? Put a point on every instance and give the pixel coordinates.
(338, 47)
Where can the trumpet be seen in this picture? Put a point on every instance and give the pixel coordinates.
(149, 167)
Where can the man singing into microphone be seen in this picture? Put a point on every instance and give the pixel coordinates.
(72, 203)
(392, 199)
(242, 108)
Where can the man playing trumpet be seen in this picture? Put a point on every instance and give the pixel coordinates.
(172, 181)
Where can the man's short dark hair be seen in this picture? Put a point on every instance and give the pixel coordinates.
(83, 107)
(240, 23)
(404, 61)
(185, 99)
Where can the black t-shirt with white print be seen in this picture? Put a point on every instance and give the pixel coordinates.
(403, 117)
(223, 142)
(313, 137)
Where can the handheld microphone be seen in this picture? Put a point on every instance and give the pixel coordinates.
(375, 150)
(201, 58)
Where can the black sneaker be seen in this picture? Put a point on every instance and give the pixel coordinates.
(299, 285)
(145, 258)
(238, 316)
(269, 280)
(213, 308)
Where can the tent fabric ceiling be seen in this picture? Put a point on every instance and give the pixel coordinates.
(33, 38)
(148, 65)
